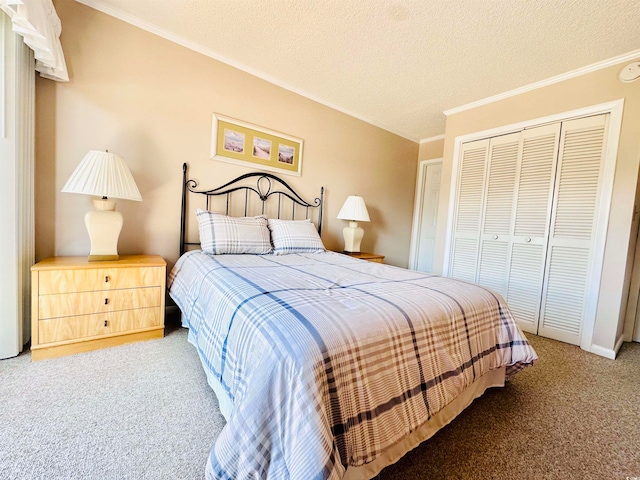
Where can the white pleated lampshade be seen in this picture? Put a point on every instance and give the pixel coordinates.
(354, 209)
(103, 174)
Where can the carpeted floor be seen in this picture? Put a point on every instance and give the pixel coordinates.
(144, 411)
(573, 415)
(139, 411)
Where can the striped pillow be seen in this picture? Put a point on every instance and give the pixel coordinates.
(294, 236)
(223, 234)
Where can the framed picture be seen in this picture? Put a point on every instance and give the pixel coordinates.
(235, 141)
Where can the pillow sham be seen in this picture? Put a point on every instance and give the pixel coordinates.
(294, 236)
(220, 234)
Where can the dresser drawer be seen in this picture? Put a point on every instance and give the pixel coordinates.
(83, 326)
(85, 303)
(86, 280)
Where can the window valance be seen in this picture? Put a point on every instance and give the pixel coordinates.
(38, 23)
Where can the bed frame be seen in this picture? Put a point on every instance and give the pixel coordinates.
(263, 185)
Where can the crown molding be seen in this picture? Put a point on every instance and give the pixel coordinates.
(549, 81)
(196, 47)
(432, 139)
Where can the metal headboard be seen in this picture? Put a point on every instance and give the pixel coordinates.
(262, 187)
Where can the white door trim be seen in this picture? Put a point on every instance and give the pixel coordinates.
(631, 332)
(614, 108)
(417, 210)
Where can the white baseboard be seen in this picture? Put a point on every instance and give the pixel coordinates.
(608, 352)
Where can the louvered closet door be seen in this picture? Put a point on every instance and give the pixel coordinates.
(530, 224)
(575, 205)
(495, 242)
(469, 210)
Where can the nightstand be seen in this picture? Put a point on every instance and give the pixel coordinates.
(370, 257)
(78, 306)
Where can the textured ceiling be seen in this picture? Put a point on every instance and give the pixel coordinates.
(396, 64)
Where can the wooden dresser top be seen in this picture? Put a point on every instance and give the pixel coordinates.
(58, 263)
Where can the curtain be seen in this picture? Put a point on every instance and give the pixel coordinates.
(17, 139)
(29, 36)
(38, 23)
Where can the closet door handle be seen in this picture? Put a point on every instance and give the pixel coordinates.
(495, 237)
(527, 239)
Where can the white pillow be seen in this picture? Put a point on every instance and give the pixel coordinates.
(223, 234)
(294, 236)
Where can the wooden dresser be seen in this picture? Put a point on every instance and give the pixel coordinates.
(77, 305)
(370, 257)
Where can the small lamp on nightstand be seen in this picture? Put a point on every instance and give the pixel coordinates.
(105, 175)
(354, 210)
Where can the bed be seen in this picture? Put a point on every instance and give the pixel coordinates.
(326, 366)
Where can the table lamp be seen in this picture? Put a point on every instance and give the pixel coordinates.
(354, 210)
(105, 175)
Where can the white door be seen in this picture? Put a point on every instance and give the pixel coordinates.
(469, 210)
(549, 262)
(426, 215)
(530, 227)
(495, 238)
(571, 241)
(526, 218)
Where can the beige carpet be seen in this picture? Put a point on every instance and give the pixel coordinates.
(573, 415)
(134, 412)
(144, 411)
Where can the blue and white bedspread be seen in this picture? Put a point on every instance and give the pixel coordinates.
(328, 360)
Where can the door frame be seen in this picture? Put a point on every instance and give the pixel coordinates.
(632, 312)
(421, 177)
(615, 109)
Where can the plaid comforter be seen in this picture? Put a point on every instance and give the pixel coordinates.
(329, 360)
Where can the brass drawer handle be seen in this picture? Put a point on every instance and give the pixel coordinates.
(106, 323)
(106, 301)
(106, 279)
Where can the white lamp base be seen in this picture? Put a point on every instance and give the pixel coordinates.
(104, 225)
(352, 237)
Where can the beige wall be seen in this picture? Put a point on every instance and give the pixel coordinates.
(151, 101)
(431, 150)
(590, 89)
